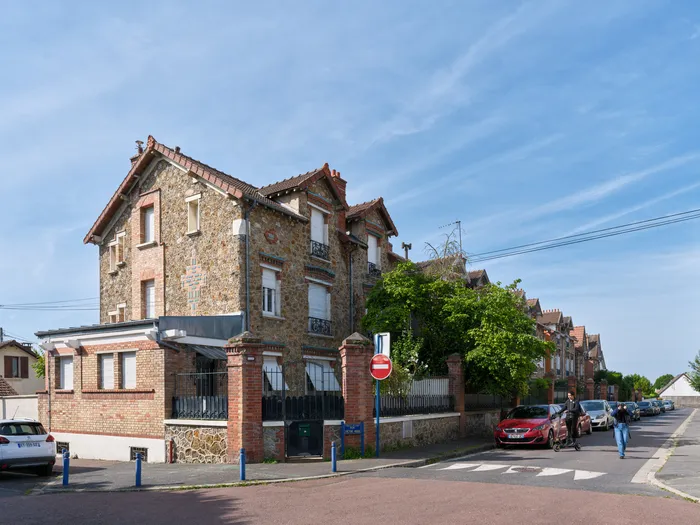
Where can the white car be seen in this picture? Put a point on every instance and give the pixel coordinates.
(24, 444)
(600, 412)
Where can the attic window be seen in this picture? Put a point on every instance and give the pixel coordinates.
(193, 213)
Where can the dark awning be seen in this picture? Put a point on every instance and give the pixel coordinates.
(211, 352)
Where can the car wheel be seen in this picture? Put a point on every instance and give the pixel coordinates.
(607, 425)
(590, 429)
(580, 431)
(550, 440)
(44, 471)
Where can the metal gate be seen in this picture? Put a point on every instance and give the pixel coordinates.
(303, 394)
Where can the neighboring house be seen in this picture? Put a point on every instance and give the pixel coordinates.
(17, 377)
(596, 359)
(189, 257)
(581, 353)
(559, 326)
(680, 391)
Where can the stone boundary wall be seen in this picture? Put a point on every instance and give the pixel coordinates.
(196, 441)
(482, 423)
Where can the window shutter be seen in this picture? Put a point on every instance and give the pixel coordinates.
(24, 367)
(150, 290)
(129, 370)
(8, 366)
(149, 224)
(269, 279)
(66, 382)
(107, 372)
(372, 249)
(317, 226)
(317, 301)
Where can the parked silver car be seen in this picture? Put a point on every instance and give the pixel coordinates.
(600, 412)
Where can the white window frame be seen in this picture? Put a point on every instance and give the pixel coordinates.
(121, 243)
(127, 383)
(373, 251)
(113, 316)
(121, 313)
(149, 224)
(318, 212)
(276, 296)
(150, 305)
(63, 378)
(193, 213)
(326, 373)
(106, 379)
(113, 250)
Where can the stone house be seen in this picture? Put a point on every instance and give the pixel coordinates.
(188, 258)
(17, 377)
(559, 327)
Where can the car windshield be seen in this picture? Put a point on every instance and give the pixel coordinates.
(529, 412)
(593, 405)
(644, 404)
(21, 429)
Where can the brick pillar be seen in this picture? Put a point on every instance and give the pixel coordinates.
(590, 388)
(358, 387)
(616, 392)
(455, 371)
(604, 389)
(245, 430)
(571, 384)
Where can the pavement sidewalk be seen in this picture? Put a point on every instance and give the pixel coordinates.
(91, 475)
(682, 470)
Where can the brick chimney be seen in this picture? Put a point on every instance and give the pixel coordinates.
(139, 152)
(341, 184)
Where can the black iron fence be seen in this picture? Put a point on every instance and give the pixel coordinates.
(485, 402)
(373, 270)
(317, 396)
(426, 396)
(320, 326)
(320, 250)
(560, 394)
(201, 395)
(535, 396)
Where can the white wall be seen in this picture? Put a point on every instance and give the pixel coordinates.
(19, 406)
(114, 448)
(28, 386)
(680, 388)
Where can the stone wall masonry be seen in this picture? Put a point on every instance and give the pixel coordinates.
(273, 442)
(115, 287)
(197, 444)
(417, 431)
(331, 433)
(482, 423)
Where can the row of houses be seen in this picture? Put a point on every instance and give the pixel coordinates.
(191, 257)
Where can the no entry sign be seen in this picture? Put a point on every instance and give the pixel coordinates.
(380, 367)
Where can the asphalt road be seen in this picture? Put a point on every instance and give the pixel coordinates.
(596, 467)
(351, 500)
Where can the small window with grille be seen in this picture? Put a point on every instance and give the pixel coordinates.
(139, 450)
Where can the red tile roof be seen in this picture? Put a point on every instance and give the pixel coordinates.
(226, 183)
(579, 333)
(359, 211)
(6, 389)
(303, 181)
(532, 302)
(550, 317)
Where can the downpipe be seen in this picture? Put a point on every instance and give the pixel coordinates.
(247, 264)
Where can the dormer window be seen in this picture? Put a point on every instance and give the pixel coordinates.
(374, 267)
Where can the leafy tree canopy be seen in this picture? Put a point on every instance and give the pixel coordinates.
(663, 381)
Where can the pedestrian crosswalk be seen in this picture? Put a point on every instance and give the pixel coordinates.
(578, 475)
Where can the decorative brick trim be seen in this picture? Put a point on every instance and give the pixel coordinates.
(311, 348)
(271, 259)
(114, 434)
(119, 391)
(317, 272)
(119, 394)
(273, 345)
(71, 392)
(374, 228)
(319, 200)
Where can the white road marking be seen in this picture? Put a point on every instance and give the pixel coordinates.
(547, 471)
(487, 467)
(459, 466)
(587, 474)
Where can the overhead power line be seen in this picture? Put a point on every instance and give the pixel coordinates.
(586, 236)
(57, 303)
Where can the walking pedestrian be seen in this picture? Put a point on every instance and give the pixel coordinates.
(622, 428)
(573, 412)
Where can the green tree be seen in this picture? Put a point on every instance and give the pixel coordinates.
(695, 372)
(638, 382)
(489, 327)
(40, 366)
(663, 381)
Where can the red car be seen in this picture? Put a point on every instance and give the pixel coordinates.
(531, 425)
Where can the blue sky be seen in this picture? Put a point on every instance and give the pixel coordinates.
(524, 120)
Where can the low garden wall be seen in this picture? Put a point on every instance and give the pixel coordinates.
(195, 441)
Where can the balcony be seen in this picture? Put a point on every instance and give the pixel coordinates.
(320, 250)
(320, 326)
(373, 270)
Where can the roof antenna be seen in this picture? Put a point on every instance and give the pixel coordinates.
(139, 146)
(459, 227)
(406, 247)
(15, 414)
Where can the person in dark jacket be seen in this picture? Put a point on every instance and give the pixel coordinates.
(573, 412)
(623, 419)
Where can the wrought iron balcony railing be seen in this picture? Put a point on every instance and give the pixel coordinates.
(320, 326)
(320, 250)
(373, 270)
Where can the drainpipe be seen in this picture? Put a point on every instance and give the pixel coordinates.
(247, 264)
(352, 298)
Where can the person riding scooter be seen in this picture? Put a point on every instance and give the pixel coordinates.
(573, 412)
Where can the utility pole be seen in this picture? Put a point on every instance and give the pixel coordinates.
(459, 228)
(2, 334)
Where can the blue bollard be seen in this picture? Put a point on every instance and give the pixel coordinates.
(66, 467)
(334, 467)
(138, 469)
(241, 463)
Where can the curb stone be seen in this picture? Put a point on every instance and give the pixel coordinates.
(402, 464)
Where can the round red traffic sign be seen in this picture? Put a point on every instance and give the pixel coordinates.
(380, 367)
